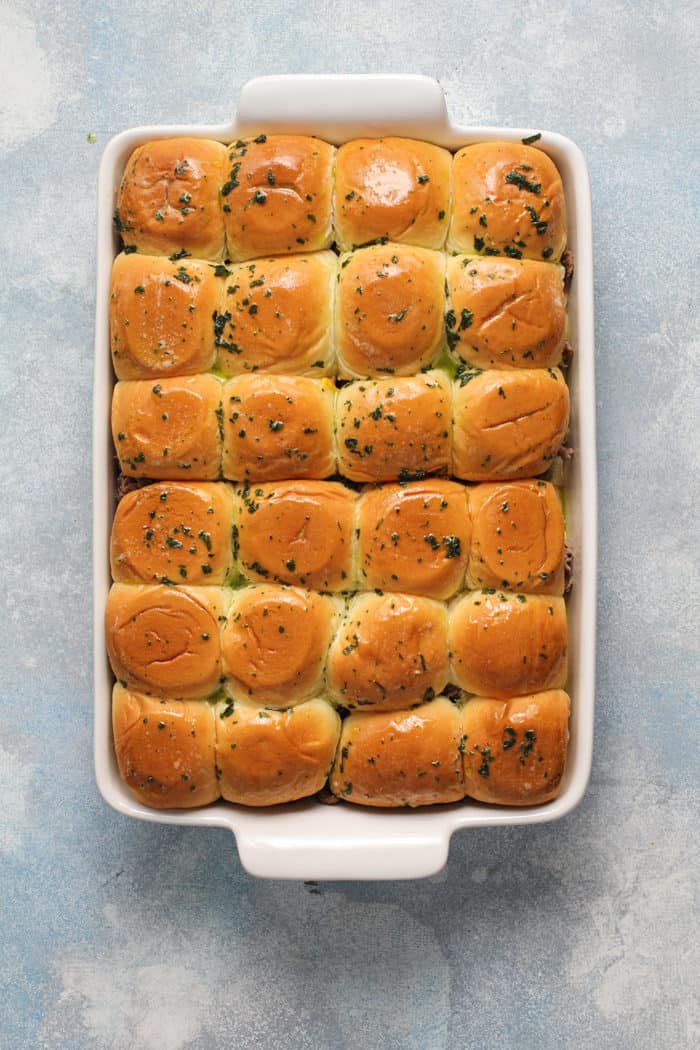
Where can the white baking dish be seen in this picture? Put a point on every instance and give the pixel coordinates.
(308, 840)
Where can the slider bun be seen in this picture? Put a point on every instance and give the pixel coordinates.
(508, 424)
(168, 429)
(278, 427)
(506, 313)
(298, 532)
(169, 198)
(175, 532)
(390, 310)
(517, 537)
(160, 316)
(495, 183)
(276, 196)
(275, 642)
(390, 652)
(165, 749)
(394, 429)
(515, 750)
(394, 188)
(504, 645)
(415, 537)
(270, 757)
(404, 758)
(165, 640)
(276, 315)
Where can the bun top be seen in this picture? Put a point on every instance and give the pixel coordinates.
(415, 537)
(276, 316)
(390, 652)
(392, 188)
(508, 200)
(390, 310)
(275, 641)
(165, 640)
(168, 200)
(517, 537)
(508, 424)
(277, 196)
(298, 532)
(278, 427)
(160, 316)
(394, 429)
(173, 532)
(515, 750)
(505, 313)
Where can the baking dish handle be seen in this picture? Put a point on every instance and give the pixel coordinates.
(339, 106)
(415, 855)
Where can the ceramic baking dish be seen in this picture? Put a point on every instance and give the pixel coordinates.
(306, 840)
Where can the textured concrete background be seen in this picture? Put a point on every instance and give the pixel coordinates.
(117, 934)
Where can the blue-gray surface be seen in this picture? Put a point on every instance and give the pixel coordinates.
(117, 934)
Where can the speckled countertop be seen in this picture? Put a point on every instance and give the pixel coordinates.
(118, 934)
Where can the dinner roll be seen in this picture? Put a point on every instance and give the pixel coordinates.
(275, 642)
(276, 195)
(278, 427)
(504, 645)
(168, 429)
(515, 750)
(165, 749)
(414, 537)
(389, 311)
(298, 532)
(517, 537)
(276, 315)
(270, 757)
(168, 200)
(160, 316)
(391, 429)
(173, 532)
(507, 424)
(165, 640)
(404, 758)
(392, 188)
(505, 313)
(390, 652)
(508, 200)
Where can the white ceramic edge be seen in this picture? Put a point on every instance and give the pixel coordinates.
(306, 840)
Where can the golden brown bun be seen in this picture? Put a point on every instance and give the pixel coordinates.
(160, 316)
(390, 310)
(168, 429)
(404, 758)
(415, 537)
(505, 313)
(275, 642)
(278, 427)
(508, 424)
(394, 429)
(173, 532)
(165, 749)
(298, 532)
(515, 750)
(508, 200)
(394, 188)
(506, 645)
(270, 757)
(390, 652)
(169, 198)
(276, 196)
(517, 537)
(276, 316)
(165, 640)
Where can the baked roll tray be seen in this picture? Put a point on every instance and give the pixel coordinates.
(306, 840)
